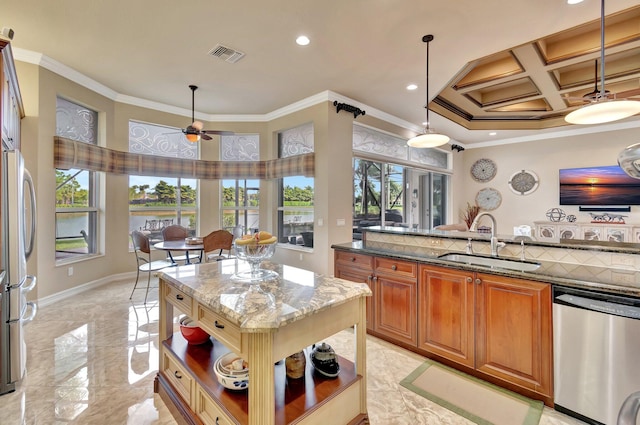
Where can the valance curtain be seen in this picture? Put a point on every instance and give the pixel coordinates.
(73, 154)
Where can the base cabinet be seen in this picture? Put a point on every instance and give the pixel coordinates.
(446, 314)
(395, 298)
(498, 326)
(514, 331)
(391, 311)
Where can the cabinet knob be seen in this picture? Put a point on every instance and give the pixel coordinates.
(353, 259)
(218, 325)
(179, 297)
(177, 374)
(478, 281)
(394, 267)
(469, 279)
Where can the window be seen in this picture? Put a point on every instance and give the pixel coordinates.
(400, 182)
(240, 198)
(156, 201)
(379, 186)
(295, 195)
(76, 190)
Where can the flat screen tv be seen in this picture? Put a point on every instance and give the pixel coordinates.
(608, 185)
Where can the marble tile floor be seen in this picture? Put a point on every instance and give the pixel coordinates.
(92, 359)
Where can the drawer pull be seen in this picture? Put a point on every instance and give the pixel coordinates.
(177, 375)
(478, 281)
(353, 258)
(394, 267)
(218, 325)
(469, 279)
(179, 297)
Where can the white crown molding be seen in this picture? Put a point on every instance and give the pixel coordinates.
(572, 131)
(78, 78)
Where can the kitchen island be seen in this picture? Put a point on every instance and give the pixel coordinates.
(302, 309)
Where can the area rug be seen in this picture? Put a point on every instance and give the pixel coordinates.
(472, 398)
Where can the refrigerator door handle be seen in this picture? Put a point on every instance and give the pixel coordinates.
(23, 288)
(24, 320)
(34, 311)
(32, 198)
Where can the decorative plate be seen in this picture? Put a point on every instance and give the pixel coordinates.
(483, 170)
(523, 182)
(488, 199)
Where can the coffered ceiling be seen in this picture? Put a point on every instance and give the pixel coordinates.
(534, 85)
(510, 67)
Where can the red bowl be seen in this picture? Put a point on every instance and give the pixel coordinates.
(194, 335)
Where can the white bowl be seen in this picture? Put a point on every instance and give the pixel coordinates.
(230, 378)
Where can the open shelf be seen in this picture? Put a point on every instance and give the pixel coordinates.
(294, 398)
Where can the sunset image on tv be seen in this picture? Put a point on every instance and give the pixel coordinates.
(608, 185)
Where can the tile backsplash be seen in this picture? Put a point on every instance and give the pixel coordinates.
(433, 246)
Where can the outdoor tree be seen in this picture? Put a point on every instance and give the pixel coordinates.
(165, 192)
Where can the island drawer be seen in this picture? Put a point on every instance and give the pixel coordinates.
(209, 411)
(220, 328)
(179, 299)
(354, 260)
(396, 268)
(181, 380)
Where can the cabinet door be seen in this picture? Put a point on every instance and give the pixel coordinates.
(514, 337)
(395, 309)
(445, 313)
(359, 275)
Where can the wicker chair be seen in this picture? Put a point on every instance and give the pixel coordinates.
(175, 232)
(215, 243)
(142, 250)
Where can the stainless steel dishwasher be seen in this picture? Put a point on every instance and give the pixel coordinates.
(596, 346)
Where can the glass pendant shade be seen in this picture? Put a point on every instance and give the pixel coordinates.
(429, 139)
(604, 111)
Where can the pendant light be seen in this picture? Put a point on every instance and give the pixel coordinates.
(605, 108)
(430, 138)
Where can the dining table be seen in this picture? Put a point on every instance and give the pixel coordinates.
(180, 245)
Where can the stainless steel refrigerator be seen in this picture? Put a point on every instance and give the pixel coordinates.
(18, 216)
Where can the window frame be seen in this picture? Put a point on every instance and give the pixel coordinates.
(90, 134)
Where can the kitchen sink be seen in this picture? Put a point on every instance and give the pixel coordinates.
(492, 262)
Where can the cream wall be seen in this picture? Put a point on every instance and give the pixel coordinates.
(545, 158)
(333, 179)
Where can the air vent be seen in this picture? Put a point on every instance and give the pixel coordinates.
(226, 53)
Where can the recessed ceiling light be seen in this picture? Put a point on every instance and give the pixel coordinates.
(412, 86)
(302, 40)
(493, 133)
(574, 1)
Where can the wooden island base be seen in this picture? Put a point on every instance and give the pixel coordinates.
(188, 385)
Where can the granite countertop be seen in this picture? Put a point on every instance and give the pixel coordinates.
(292, 295)
(620, 281)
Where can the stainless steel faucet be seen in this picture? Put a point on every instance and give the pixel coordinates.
(495, 245)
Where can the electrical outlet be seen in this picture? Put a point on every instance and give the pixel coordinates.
(70, 271)
(301, 257)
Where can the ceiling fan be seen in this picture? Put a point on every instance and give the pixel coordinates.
(597, 94)
(194, 132)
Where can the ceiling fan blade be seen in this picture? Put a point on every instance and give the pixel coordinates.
(218, 132)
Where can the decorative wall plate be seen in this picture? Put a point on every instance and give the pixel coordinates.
(523, 182)
(483, 170)
(488, 199)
